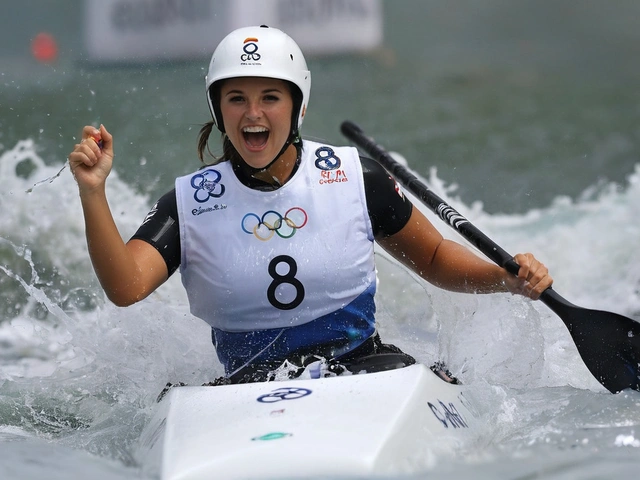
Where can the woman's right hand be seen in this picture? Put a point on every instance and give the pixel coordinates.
(89, 163)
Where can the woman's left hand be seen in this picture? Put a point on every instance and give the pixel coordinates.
(533, 277)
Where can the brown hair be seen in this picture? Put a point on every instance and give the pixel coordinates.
(228, 150)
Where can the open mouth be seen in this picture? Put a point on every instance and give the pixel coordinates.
(255, 136)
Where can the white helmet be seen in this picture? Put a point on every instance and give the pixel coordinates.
(259, 52)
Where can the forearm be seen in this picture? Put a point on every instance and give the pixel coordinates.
(114, 264)
(127, 272)
(456, 268)
(442, 262)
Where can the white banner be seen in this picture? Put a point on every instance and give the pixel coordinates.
(318, 26)
(164, 30)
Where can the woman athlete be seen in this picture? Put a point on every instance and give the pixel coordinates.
(275, 239)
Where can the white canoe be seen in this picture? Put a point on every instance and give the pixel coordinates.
(347, 426)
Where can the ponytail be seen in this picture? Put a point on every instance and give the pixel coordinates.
(203, 140)
(228, 150)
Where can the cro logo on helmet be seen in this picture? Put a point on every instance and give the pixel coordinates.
(250, 49)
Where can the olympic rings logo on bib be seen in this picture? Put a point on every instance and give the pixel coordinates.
(272, 222)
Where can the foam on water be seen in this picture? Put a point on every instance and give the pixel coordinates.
(81, 374)
(76, 369)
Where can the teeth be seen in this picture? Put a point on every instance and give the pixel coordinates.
(254, 129)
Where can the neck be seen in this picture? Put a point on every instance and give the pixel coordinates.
(280, 171)
(274, 176)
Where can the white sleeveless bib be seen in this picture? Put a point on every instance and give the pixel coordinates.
(254, 260)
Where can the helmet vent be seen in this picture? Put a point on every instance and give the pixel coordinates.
(291, 56)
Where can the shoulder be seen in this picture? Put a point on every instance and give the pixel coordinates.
(168, 203)
(389, 209)
(376, 178)
(373, 168)
(161, 229)
(165, 210)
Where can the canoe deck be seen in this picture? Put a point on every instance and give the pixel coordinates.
(357, 425)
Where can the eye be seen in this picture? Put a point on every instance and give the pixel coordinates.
(235, 99)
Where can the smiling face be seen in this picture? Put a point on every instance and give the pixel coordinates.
(257, 117)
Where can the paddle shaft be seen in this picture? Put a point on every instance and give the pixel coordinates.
(447, 213)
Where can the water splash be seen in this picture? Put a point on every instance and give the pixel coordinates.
(85, 374)
(49, 179)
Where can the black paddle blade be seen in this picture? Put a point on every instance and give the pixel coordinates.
(608, 343)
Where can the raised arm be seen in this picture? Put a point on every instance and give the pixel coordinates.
(127, 272)
(452, 266)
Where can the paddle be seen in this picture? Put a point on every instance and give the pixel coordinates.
(608, 343)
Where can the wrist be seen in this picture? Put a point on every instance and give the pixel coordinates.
(92, 193)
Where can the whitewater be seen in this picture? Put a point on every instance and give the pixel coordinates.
(79, 377)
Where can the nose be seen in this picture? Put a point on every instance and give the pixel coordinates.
(253, 111)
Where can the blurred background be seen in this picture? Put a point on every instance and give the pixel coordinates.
(516, 102)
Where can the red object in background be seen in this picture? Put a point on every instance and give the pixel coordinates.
(44, 48)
